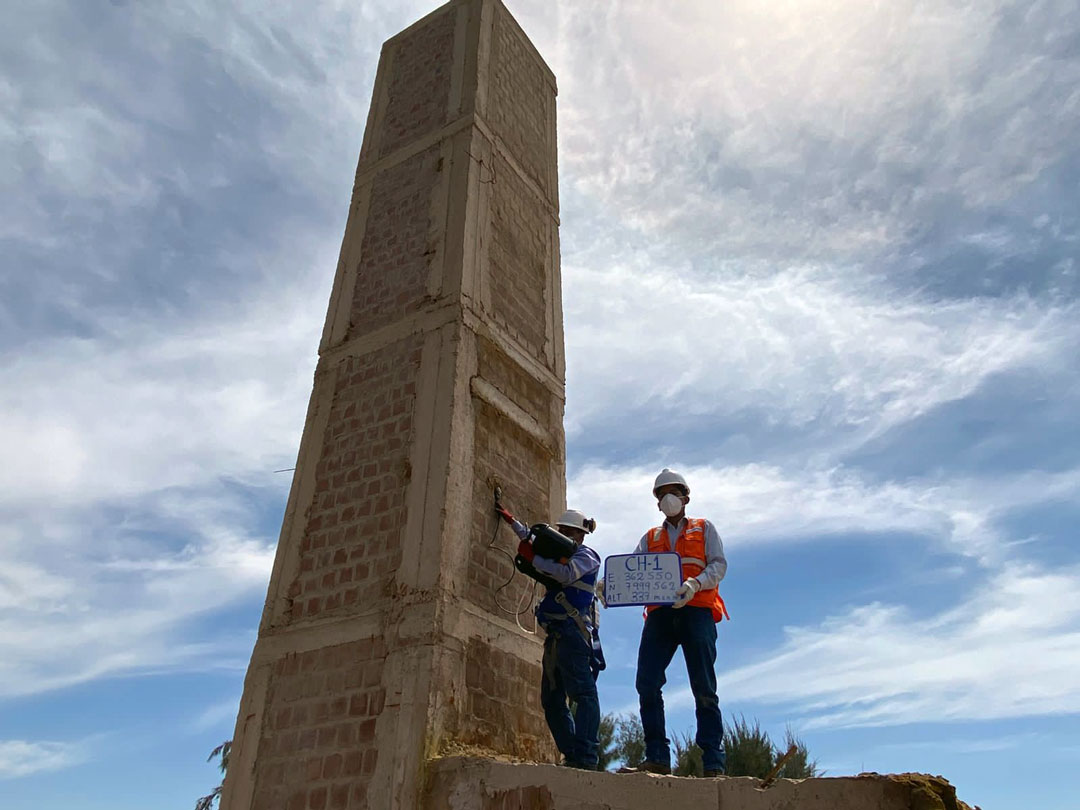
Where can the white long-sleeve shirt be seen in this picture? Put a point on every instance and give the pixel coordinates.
(715, 561)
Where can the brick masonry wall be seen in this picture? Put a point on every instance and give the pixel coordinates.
(507, 454)
(314, 745)
(503, 703)
(519, 385)
(520, 100)
(352, 542)
(317, 749)
(395, 255)
(501, 710)
(519, 249)
(418, 94)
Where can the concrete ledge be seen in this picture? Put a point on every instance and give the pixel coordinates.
(476, 783)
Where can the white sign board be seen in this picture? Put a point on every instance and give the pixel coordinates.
(642, 579)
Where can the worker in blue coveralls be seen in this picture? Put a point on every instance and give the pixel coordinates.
(572, 654)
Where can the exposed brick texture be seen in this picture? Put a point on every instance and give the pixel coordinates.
(519, 258)
(395, 255)
(520, 99)
(519, 385)
(317, 746)
(315, 731)
(352, 542)
(503, 708)
(499, 686)
(506, 453)
(419, 85)
(522, 466)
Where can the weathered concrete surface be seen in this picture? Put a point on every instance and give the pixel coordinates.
(474, 783)
(440, 374)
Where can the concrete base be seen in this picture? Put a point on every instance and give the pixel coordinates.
(475, 783)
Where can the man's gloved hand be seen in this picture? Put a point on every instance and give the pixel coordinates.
(504, 514)
(525, 549)
(686, 592)
(599, 588)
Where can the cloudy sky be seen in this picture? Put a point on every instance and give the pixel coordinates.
(821, 255)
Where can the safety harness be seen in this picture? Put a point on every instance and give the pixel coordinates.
(573, 614)
(571, 611)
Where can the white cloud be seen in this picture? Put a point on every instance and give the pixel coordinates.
(129, 509)
(805, 348)
(158, 402)
(1009, 650)
(125, 596)
(807, 128)
(24, 757)
(138, 462)
(759, 504)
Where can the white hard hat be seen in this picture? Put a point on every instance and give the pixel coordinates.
(666, 477)
(574, 519)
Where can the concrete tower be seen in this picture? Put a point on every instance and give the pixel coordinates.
(440, 375)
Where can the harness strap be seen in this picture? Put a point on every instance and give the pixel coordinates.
(580, 585)
(573, 613)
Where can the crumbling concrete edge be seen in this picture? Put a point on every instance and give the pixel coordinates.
(472, 781)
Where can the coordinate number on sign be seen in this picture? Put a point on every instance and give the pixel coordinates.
(642, 579)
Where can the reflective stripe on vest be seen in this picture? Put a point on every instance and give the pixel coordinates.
(581, 584)
(690, 546)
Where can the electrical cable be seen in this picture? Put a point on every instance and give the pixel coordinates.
(517, 618)
(513, 573)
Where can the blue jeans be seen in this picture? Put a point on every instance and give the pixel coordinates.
(693, 629)
(568, 675)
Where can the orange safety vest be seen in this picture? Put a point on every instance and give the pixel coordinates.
(690, 547)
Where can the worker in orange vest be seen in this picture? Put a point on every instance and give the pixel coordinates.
(689, 623)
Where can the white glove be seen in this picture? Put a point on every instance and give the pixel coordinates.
(686, 592)
(599, 588)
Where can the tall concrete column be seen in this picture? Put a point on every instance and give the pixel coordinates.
(440, 375)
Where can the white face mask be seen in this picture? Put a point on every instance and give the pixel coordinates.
(671, 504)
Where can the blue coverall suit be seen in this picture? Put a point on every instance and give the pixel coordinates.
(572, 655)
